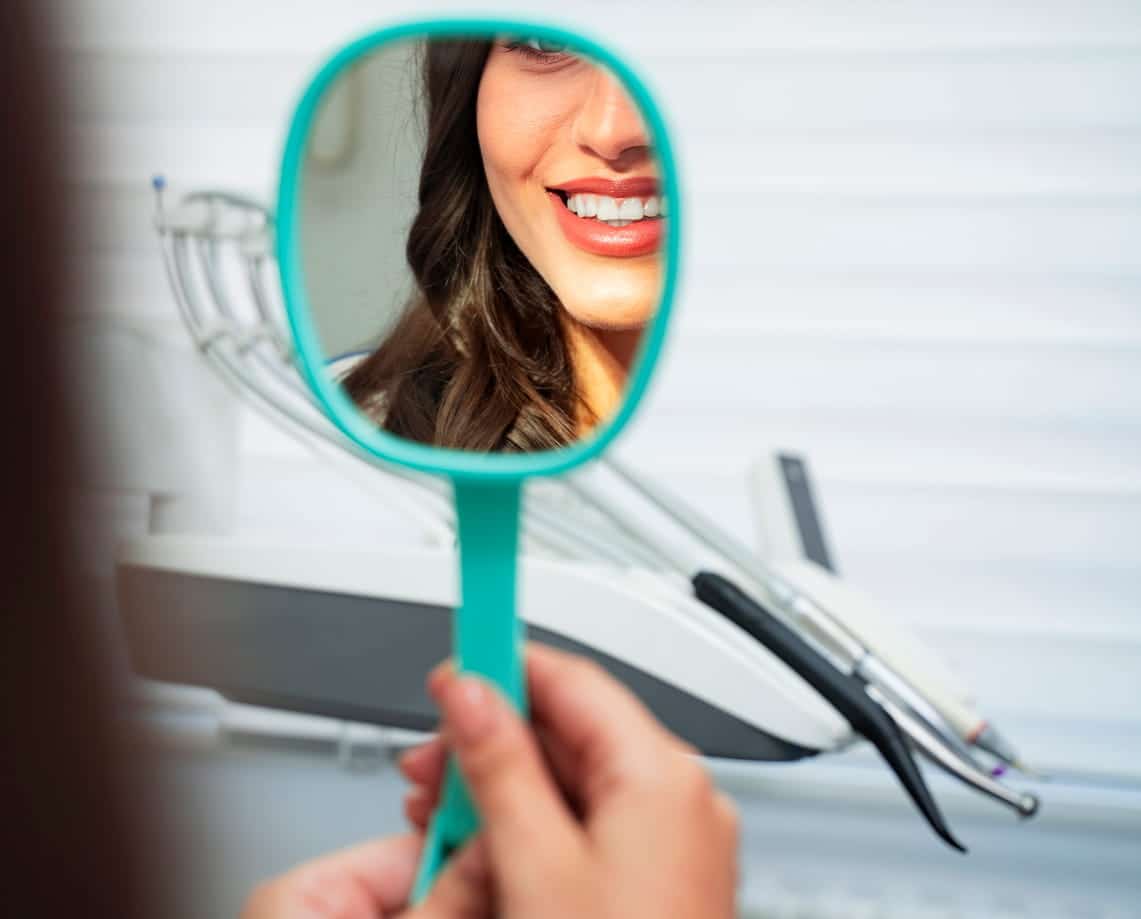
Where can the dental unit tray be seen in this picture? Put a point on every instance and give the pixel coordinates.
(350, 633)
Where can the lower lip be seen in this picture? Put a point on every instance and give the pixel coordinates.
(640, 237)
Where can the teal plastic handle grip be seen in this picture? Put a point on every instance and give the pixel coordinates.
(487, 638)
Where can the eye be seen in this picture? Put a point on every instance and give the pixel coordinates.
(545, 45)
(543, 50)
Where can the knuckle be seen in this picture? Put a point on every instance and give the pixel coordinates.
(314, 892)
(582, 670)
(730, 818)
(497, 761)
(693, 782)
(688, 749)
(488, 760)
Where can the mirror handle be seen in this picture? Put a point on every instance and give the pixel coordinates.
(487, 637)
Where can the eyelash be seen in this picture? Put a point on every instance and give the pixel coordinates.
(535, 54)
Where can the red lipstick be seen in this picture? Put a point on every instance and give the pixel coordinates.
(639, 237)
(634, 187)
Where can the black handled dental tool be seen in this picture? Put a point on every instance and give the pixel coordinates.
(846, 693)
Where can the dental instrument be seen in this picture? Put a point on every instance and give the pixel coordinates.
(808, 657)
(917, 687)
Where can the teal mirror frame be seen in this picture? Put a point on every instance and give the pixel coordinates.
(487, 632)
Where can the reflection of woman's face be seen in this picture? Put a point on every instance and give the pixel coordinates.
(574, 180)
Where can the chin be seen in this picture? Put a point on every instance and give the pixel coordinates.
(596, 301)
(613, 320)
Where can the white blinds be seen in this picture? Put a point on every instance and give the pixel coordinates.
(914, 254)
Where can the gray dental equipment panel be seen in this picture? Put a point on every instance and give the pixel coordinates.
(358, 658)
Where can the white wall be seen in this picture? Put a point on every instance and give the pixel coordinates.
(913, 255)
(359, 198)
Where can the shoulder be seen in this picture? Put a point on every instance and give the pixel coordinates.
(374, 403)
(342, 366)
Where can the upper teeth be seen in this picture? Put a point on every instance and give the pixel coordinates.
(616, 211)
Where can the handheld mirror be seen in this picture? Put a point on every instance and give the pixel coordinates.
(478, 237)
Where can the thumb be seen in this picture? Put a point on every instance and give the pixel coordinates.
(463, 890)
(526, 822)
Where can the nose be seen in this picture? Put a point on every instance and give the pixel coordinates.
(608, 123)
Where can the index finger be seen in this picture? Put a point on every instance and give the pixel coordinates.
(614, 740)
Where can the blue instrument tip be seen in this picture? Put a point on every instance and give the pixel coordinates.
(158, 182)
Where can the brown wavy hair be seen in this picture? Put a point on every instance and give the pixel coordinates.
(479, 360)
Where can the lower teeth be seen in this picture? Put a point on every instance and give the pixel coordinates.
(617, 223)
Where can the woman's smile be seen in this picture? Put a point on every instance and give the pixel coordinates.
(611, 217)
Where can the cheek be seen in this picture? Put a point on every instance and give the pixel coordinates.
(515, 122)
(503, 157)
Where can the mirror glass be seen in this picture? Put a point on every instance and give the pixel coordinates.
(482, 232)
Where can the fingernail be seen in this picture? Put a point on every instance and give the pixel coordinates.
(417, 806)
(425, 746)
(469, 709)
(411, 756)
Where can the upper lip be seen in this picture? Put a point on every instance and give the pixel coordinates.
(635, 187)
